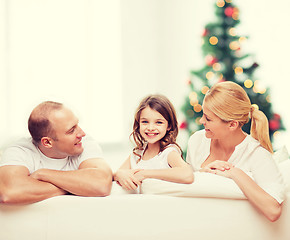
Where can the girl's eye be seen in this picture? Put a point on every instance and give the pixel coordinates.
(159, 122)
(144, 121)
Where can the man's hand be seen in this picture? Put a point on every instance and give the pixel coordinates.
(39, 174)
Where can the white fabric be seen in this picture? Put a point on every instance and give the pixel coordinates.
(25, 153)
(157, 162)
(285, 170)
(249, 156)
(281, 155)
(205, 185)
(142, 217)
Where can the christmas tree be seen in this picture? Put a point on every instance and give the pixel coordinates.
(225, 61)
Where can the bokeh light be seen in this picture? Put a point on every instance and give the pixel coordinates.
(248, 83)
(213, 40)
(220, 3)
(204, 89)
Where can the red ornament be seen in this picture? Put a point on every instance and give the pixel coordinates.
(229, 11)
(183, 125)
(205, 32)
(210, 60)
(277, 116)
(274, 124)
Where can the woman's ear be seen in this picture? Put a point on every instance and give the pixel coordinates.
(234, 125)
(46, 142)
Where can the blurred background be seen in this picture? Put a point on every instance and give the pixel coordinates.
(101, 58)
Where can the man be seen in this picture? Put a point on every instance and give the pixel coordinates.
(59, 159)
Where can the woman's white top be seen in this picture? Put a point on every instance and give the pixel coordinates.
(157, 162)
(249, 156)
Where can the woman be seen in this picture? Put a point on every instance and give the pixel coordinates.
(223, 148)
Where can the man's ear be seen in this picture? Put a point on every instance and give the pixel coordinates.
(46, 142)
(234, 125)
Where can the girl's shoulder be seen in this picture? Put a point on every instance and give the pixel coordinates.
(171, 147)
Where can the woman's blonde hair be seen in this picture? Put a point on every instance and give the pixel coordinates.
(229, 102)
(162, 105)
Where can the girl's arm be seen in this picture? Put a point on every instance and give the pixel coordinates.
(260, 199)
(125, 176)
(180, 171)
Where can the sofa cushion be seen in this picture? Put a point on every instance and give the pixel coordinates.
(285, 170)
(205, 185)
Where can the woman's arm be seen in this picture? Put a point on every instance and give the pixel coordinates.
(260, 199)
(125, 176)
(180, 171)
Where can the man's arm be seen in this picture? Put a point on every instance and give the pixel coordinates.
(17, 187)
(92, 179)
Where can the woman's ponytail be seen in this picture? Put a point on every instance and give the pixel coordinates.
(260, 128)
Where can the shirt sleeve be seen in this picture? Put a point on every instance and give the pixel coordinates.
(195, 150)
(167, 151)
(266, 174)
(91, 150)
(16, 156)
(189, 153)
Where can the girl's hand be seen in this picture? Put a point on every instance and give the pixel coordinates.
(217, 167)
(140, 175)
(127, 179)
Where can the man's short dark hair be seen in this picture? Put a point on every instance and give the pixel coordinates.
(39, 125)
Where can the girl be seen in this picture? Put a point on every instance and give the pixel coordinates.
(156, 154)
(223, 148)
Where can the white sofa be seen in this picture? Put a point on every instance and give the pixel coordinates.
(205, 210)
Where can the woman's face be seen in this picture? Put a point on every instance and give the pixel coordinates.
(214, 127)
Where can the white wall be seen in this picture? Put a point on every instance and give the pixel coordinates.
(158, 53)
(62, 50)
(114, 52)
(267, 25)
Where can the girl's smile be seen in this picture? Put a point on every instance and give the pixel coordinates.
(153, 126)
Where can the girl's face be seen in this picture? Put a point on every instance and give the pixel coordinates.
(153, 126)
(214, 127)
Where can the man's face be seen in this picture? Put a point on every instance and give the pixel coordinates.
(68, 134)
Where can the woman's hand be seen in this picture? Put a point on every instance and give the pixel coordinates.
(127, 179)
(218, 167)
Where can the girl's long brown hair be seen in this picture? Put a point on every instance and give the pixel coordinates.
(162, 105)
